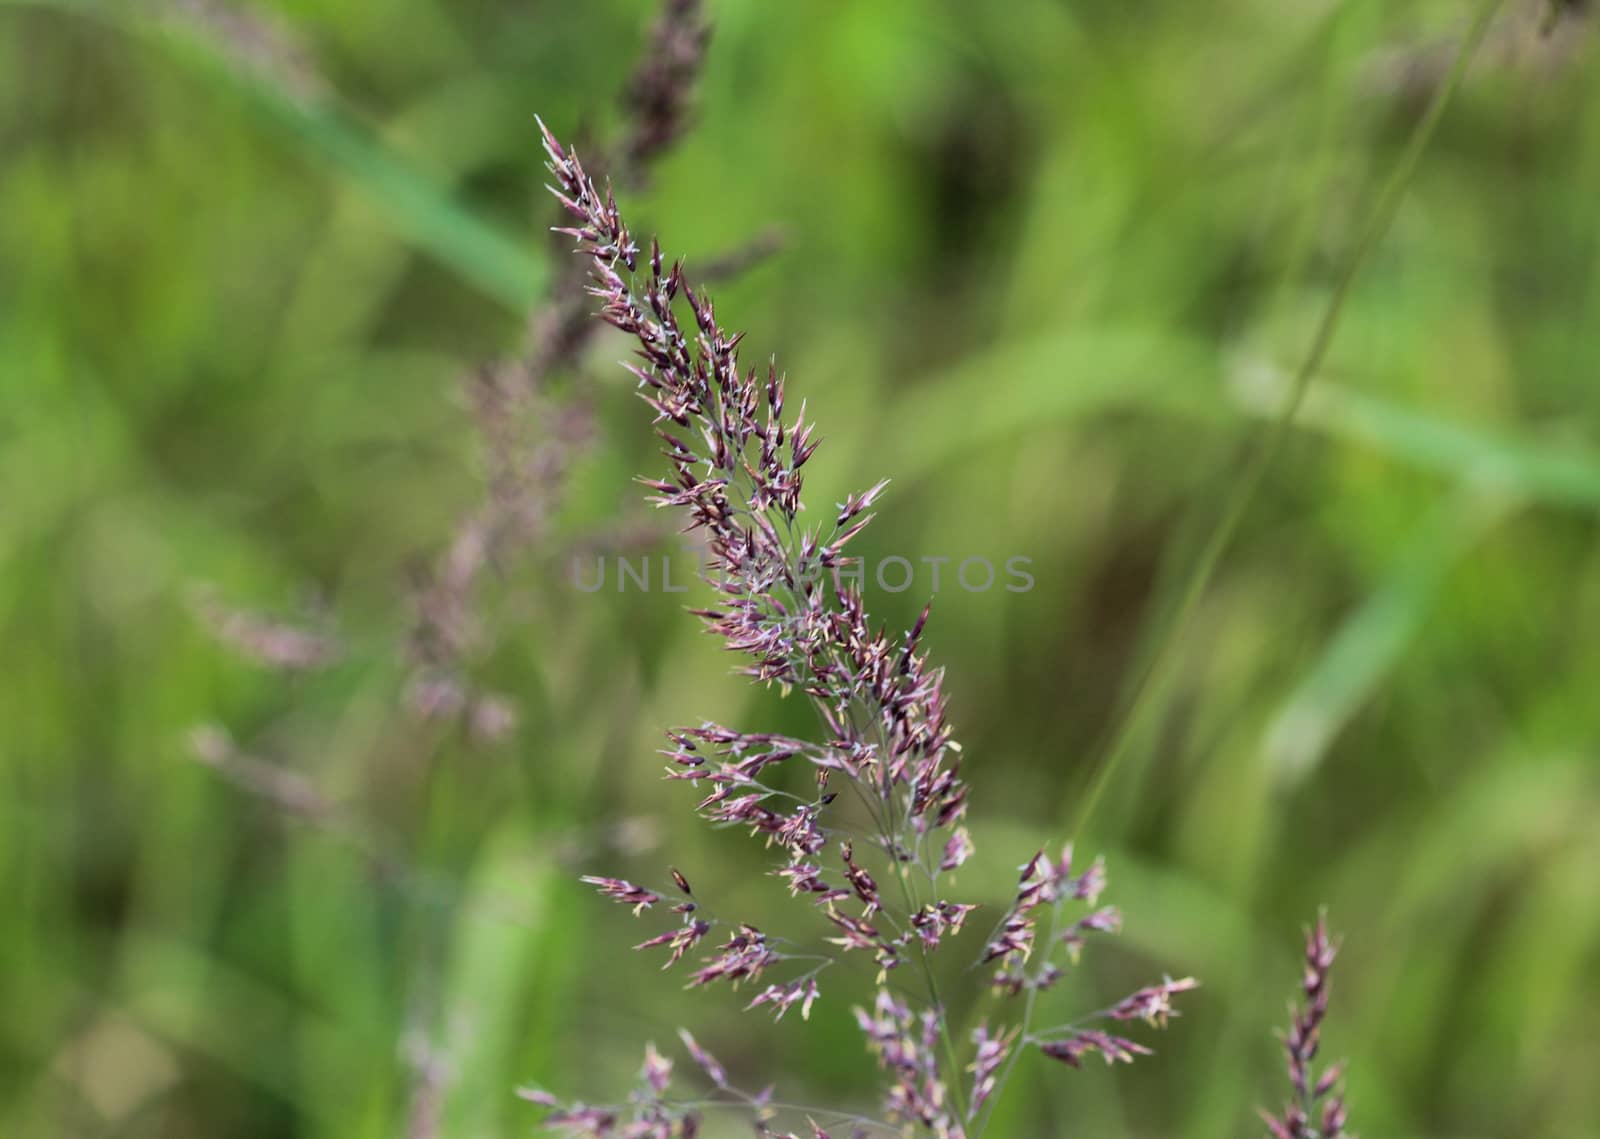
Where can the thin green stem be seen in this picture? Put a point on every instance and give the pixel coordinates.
(950, 1056)
(1152, 681)
(748, 1102)
(1024, 1032)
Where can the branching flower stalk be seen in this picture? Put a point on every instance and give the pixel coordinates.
(528, 470)
(788, 601)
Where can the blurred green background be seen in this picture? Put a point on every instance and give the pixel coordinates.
(1047, 265)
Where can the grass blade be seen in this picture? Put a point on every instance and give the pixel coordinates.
(497, 263)
(1372, 639)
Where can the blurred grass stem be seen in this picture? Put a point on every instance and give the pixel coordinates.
(1151, 683)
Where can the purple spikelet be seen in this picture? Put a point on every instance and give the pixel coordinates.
(1317, 1110)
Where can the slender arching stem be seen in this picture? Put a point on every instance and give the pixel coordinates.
(1150, 684)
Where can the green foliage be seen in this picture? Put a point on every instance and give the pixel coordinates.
(1049, 267)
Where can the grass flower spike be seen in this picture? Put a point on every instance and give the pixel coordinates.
(871, 847)
(1317, 1110)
